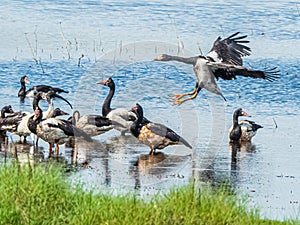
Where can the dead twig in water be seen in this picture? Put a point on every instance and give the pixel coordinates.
(180, 46)
(66, 42)
(276, 126)
(36, 40)
(31, 49)
(34, 51)
(40, 62)
(79, 60)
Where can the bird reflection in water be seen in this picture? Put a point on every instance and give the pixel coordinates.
(22, 153)
(149, 169)
(81, 149)
(241, 147)
(149, 160)
(146, 164)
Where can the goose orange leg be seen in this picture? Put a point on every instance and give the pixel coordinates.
(152, 151)
(179, 96)
(180, 101)
(50, 150)
(56, 150)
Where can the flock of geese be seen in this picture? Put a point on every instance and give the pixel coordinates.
(223, 61)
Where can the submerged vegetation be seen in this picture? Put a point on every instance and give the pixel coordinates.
(42, 195)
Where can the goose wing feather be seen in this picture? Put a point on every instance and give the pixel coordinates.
(230, 50)
(229, 72)
(164, 131)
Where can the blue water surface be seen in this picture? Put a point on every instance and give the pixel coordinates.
(45, 40)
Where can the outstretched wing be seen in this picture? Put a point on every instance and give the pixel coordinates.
(229, 72)
(230, 50)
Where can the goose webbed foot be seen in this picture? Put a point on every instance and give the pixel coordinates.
(180, 101)
(179, 96)
(177, 101)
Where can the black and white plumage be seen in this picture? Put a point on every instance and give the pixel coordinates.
(9, 122)
(38, 88)
(223, 61)
(93, 125)
(22, 127)
(249, 129)
(121, 118)
(53, 130)
(155, 135)
(4, 124)
(49, 96)
(235, 132)
(6, 109)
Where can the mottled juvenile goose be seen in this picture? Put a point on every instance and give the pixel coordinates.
(155, 135)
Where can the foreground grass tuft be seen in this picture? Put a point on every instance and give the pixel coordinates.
(41, 195)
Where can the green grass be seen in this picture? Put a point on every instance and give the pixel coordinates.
(42, 195)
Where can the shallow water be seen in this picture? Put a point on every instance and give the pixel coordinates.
(120, 40)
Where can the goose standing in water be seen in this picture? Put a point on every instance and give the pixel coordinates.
(33, 90)
(244, 130)
(11, 122)
(224, 61)
(53, 130)
(121, 118)
(22, 127)
(155, 135)
(7, 123)
(3, 114)
(22, 91)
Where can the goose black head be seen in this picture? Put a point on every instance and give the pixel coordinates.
(24, 79)
(240, 112)
(107, 82)
(138, 110)
(6, 109)
(59, 112)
